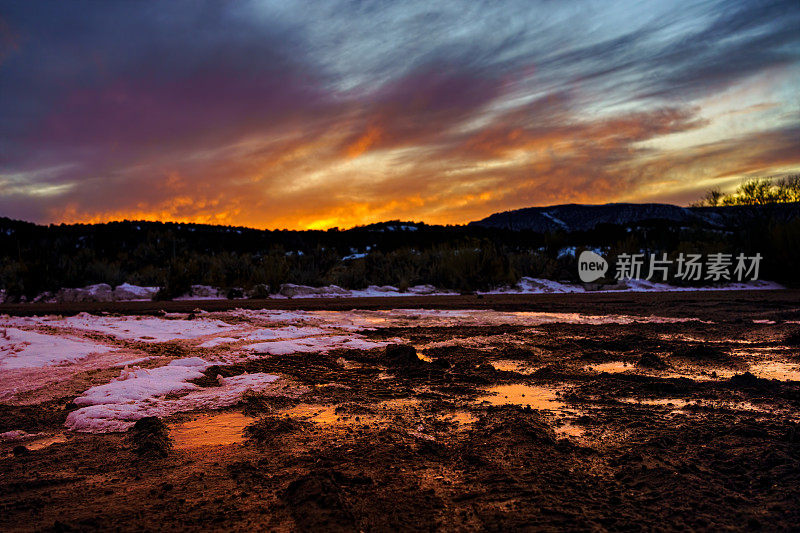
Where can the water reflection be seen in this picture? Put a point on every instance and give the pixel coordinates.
(614, 367)
(524, 395)
(214, 429)
(510, 365)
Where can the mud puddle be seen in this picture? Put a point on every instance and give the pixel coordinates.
(535, 397)
(213, 429)
(510, 365)
(613, 367)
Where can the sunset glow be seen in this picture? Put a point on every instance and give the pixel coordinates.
(285, 115)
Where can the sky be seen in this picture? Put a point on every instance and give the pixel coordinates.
(310, 115)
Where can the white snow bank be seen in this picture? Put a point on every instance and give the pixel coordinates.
(126, 292)
(203, 292)
(291, 290)
(138, 393)
(641, 285)
(29, 349)
(100, 292)
(537, 286)
(527, 285)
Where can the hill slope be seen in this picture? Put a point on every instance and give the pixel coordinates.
(577, 217)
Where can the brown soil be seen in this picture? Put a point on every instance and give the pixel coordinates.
(386, 442)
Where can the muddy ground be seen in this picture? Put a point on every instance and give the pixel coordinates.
(655, 426)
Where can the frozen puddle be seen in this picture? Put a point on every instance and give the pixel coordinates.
(215, 429)
(541, 398)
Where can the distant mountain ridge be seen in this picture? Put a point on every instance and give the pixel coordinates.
(581, 217)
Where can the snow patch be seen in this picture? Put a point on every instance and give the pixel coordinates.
(527, 285)
(29, 349)
(146, 329)
(568, 251)
(202, 292)
(127, 292)
(138, 384)
(100, 292)
(354, 256)
(315, 344)
(138, 393)
(291, 290)
(556, 220)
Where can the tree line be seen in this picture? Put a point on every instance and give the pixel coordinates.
(756, 191)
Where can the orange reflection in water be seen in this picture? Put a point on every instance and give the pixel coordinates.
(215, 429)
(524, 395)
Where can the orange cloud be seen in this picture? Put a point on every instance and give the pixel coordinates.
(370, 138)
(346, 164)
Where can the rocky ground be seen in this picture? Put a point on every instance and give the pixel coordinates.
(564, 424)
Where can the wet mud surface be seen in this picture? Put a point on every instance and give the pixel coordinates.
(608, 426)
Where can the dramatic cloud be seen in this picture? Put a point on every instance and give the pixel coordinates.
(324, 114)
